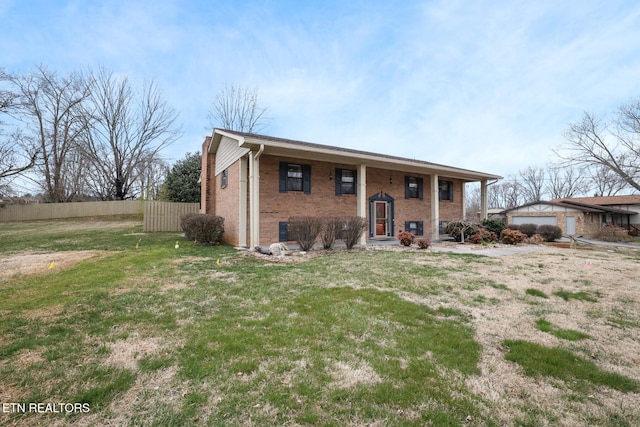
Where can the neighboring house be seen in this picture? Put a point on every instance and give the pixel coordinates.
(583, 216)
(258, 182)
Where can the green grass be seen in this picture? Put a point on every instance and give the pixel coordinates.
(579, 296)
(536, 293)
(577, 372)
(165, 336)
(565, 334)
(312, 341)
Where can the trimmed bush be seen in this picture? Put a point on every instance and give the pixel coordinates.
(305, 230)
(203, 228)
(423, 243)
(331, 227)
(476, 239)
(536, 239)
(513, 227)
(457, 229)
(183, 220)
(549, 232)
(352, 229)
(494, 225)
(528, 229)
(406, 238)
(613, 233)
(512, 237)
(483, 235)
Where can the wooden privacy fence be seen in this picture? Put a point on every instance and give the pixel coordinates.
(165, 216)
(39, 211)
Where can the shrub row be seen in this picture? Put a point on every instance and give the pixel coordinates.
(203, 228)
(496, 230)
(549, 233)
(305, 230)
(613, 233)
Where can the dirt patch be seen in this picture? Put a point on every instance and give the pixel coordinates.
(40, 263)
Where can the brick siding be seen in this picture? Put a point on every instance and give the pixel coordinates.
(276, 207)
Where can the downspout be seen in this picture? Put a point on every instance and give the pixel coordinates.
(261, 150)
(484, 198)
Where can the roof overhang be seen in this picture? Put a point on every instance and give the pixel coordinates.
(304, 150)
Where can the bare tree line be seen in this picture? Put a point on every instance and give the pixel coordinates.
(84, 134)
(95, 133)
(555, 181)
(600, 157)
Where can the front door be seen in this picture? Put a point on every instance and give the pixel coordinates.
(382, 219)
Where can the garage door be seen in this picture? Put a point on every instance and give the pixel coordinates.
(538, 220)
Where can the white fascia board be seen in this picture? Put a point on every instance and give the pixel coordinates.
(370, 159)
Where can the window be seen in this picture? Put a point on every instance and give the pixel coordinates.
(415, 227)
(224, 178)
(413, 187)
(295, 177)
(345, 181)
(445, 190)
(283, 231)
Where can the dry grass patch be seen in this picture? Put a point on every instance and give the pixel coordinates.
(349, 375)
(40, 263)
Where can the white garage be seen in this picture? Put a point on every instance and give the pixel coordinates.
(538, 220)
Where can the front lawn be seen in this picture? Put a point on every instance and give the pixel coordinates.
(144, 333)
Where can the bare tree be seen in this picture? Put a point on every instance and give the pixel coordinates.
(238, 108)
(16, 154)
(565, 182)
(125, 130)
(614, 144)
(151, 176)
(504, 195)
(532, 184)
(50, 105)
(605, 182)
(472, 202)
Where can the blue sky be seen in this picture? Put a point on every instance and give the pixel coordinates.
(484, 85)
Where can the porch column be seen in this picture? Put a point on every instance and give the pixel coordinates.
(254, 200)
(464, 201)
(361, 203)
(435, 209)
(362, 200)
(483, 200)
(242, 203)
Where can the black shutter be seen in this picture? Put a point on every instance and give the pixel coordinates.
(451, 191)
(306, 179)
(407, 192)
(355, 182)
(406, 226)
(283, 177)
(283, 232)
(420, 228)
(338, 178)
(420, 185)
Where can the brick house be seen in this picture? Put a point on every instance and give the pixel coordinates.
(257, 182)
(584, 216)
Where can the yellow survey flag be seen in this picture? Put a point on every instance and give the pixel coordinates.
(218, 261)
(52, 265)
